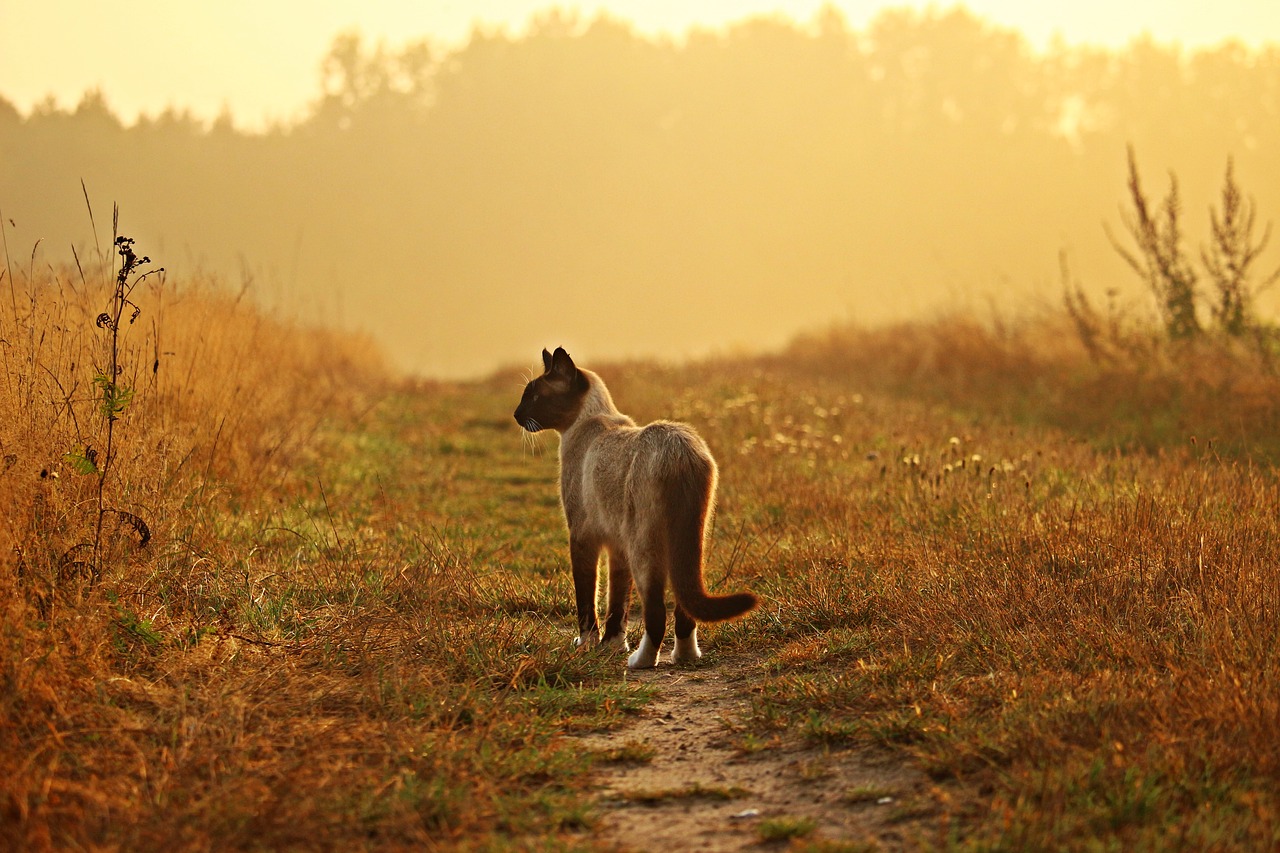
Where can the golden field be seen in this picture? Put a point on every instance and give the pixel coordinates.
(297, 602)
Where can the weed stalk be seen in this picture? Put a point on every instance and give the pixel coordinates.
(114, 397)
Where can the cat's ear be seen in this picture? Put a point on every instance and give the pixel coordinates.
(561, 364)
(546, 361)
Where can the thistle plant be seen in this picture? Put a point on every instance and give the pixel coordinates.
(113, 397)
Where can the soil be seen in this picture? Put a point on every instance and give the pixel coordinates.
(687, 776)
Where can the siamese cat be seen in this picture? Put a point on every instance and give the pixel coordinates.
(644, 495)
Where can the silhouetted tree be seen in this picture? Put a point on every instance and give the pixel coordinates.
(736, 184)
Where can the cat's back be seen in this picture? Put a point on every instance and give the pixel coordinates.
(620, 449)
(671, 438)
(670, 450)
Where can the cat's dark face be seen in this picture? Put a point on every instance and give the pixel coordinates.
(553, 400)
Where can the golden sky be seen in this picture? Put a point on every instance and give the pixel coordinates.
(260, 58)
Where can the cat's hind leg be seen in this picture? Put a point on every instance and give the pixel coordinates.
(615, 617)
(686, 648)
(654, 610)
(584, 559)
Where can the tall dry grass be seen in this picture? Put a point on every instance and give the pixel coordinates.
(1136, 389)
(339, 632)
(224, 410)
(224, 401)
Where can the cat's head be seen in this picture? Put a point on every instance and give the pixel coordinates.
(553, 400)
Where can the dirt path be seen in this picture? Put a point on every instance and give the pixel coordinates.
(685, 776)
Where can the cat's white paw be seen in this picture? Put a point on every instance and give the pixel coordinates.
(646, 656)
(588, 640)
(686, 650)
(618, 641)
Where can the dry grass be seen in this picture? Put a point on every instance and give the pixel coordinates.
(351, 625)
(1081, 638)
(1137, 390)
(307, 650)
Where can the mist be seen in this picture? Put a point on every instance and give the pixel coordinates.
(630, 196)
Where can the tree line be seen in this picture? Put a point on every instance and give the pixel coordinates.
(582, 184)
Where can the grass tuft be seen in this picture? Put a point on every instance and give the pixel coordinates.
(784, 828)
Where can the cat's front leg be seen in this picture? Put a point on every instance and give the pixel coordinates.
(584, 558)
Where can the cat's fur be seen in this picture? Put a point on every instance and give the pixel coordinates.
(642, 494)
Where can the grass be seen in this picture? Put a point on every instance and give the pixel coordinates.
(353, 619)
(784, 828)
(1074, 628)
(694, 790)
(870, 794)
(631, 751)
(1085, 631)
(335, 632)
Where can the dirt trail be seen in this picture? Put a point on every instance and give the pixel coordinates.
(685, 780)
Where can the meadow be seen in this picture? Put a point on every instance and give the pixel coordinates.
(260, 593)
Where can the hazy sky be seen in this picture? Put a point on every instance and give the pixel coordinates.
(260, 58)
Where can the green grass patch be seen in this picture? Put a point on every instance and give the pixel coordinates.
(784, 828)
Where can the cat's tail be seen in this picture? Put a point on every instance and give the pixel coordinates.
(717, 608)
(689, 505)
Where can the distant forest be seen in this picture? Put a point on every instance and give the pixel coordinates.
(582, 184)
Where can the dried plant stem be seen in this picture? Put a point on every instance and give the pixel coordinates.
(114, 397)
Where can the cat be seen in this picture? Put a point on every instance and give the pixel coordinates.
(644, 495)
